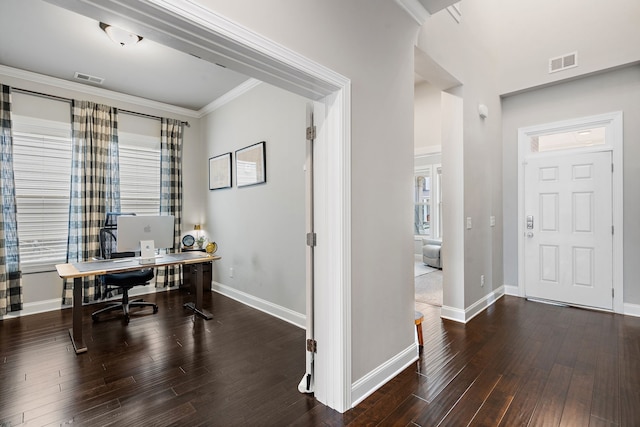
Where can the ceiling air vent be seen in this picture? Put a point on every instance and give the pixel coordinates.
(87, 78)
(563, 62)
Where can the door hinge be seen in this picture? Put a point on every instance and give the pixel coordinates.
(311, 239)
(613, 293)
(611, 167)
(312, 346)
(311, 133)
(612, 230)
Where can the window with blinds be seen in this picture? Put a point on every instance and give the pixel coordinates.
(139, 173)
(42, 170)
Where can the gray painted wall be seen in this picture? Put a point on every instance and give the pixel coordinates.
(467, 56)
(371, 43)
(260, 230)
(617, 90)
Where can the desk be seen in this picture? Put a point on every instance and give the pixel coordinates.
(77, 271)
(189, 273)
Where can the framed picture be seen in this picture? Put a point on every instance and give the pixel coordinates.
(251, 165)
(220, 172)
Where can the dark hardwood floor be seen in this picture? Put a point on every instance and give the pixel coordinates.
(518, 363)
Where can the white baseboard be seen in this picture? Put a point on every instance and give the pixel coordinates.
(56, 303)
(463, 316)
(293, 317)
(512, 290)
(375, 379)
(452, 313)
(36, 307)
(631, 309)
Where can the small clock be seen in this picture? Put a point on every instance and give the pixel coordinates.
(188, 240)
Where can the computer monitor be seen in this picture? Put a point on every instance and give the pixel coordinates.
(134, 229)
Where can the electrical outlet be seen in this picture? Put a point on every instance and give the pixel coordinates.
(482, 280)
(492, 221)
(231, 272)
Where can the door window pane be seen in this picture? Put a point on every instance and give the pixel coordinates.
(568, 140)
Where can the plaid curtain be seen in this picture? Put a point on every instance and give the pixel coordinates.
(171, 190)
(95, 187)
(10, 274)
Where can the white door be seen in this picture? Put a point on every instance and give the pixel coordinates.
(568, 229)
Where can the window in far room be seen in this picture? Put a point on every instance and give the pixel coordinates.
(428, 201)
(422, 214)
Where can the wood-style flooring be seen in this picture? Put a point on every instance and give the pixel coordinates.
(518, 363)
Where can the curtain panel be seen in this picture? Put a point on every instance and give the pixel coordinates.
(171, 136)
(10, 274)
(95, 187)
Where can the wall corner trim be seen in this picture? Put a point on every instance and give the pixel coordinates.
(378, 377)
(463, 316)
(631, 309)
(282, 313)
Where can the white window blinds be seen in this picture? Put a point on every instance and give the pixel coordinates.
(139, 173)
(42, 170)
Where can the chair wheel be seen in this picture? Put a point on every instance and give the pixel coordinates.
(127, 318)
(94, 317)
(155, 309)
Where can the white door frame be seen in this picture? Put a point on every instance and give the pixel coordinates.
(614, 142)
(187, 26)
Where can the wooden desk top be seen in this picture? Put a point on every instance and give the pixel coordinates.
(120, 265)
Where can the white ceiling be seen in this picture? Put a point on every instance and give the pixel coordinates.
(43, 38)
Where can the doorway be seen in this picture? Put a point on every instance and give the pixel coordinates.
(570, 185)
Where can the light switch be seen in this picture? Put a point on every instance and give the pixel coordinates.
(468, 223)
(492, 221)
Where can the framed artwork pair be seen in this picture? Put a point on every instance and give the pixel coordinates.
(250, 167)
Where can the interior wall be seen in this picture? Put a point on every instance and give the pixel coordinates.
(427, 123)
(617, 90)
(40, 288)
(350, 38)
(260, 230)
(532, 31)
(468, 56)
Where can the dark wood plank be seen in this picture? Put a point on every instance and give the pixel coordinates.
(517, 363)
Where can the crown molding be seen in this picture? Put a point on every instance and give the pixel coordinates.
(415, 9)
(95, 91)
(234, 93)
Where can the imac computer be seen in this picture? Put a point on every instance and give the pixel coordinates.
(144, 234)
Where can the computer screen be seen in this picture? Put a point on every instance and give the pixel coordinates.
(133, 229)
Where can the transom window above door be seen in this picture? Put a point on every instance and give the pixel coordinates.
(568, 140)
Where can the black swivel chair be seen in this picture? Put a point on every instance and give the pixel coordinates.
(121, 281)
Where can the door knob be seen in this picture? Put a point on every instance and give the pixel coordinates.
(530, 234)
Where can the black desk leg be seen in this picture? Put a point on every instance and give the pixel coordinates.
(76, 328)
(197, 307)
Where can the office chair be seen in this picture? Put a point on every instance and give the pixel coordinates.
(121, 281)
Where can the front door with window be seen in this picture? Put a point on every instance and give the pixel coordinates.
(568, 229)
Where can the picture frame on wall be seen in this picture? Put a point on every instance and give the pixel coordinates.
(220, 171)
(251, 165)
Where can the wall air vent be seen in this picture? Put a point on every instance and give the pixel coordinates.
(88, 79)
(563, 62)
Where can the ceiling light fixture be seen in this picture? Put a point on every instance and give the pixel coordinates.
(120, 36)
